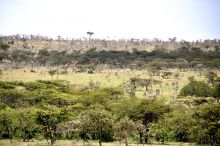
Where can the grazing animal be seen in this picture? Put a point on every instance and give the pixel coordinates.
(90, 72)
(71, 65)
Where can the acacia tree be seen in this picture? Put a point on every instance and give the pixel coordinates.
(211, 77)
(174, 126)
(140, 129)
(3, 51)
(50, 119)
(148, 112)
(100, 124)
(8, 123)
(90, 34)
(196, 88)
(205, 127)
(27, 126)
(216, 93)
(124, 129)
(52, 72)
(4, 46)
(84, 128)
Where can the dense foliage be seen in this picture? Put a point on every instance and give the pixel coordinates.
(180, 57)
(58, 110)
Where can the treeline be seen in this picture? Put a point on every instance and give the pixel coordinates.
(184, 57)
(58, 110)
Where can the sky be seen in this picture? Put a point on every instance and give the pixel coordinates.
(113, 19)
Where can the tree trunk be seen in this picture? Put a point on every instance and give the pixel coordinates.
(53, 140)
(10, 135)
(126, 140)
(141, 137)
(100, 143)
(11, 140)
(57, 73)
(146, 139)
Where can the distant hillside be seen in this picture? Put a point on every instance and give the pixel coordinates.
(36, 43)
(19, 51)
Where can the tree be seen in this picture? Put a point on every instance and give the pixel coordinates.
(3, 51)
(13, 98)
(84, 127)
(100, 125)
(52, 72)
(125, 128)
(90, 34)
(50, 119)
(174, 126)
(4, 46)
(8, 123)
(211, 77)
(143, 112)
(216, 89)
(217, 49)
(43, 56)
(27, 126)
(196, 88)
(148, 112)
(3, 55)
(206, 127)
(141, 130)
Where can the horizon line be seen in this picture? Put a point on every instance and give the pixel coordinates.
(68, 37)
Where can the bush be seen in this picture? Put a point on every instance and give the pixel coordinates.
(196, 88)
(205, 128)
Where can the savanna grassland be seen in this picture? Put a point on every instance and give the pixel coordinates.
(105, 78)
(108, 92)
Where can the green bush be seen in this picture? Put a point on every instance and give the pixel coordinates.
(196, 88)
(205, 128)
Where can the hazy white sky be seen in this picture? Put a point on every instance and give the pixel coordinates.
(185, 19)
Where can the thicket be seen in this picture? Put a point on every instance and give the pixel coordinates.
(58, 110)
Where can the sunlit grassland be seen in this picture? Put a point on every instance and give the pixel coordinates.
(106, 78)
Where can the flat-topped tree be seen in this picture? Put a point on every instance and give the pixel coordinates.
(90, 34)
